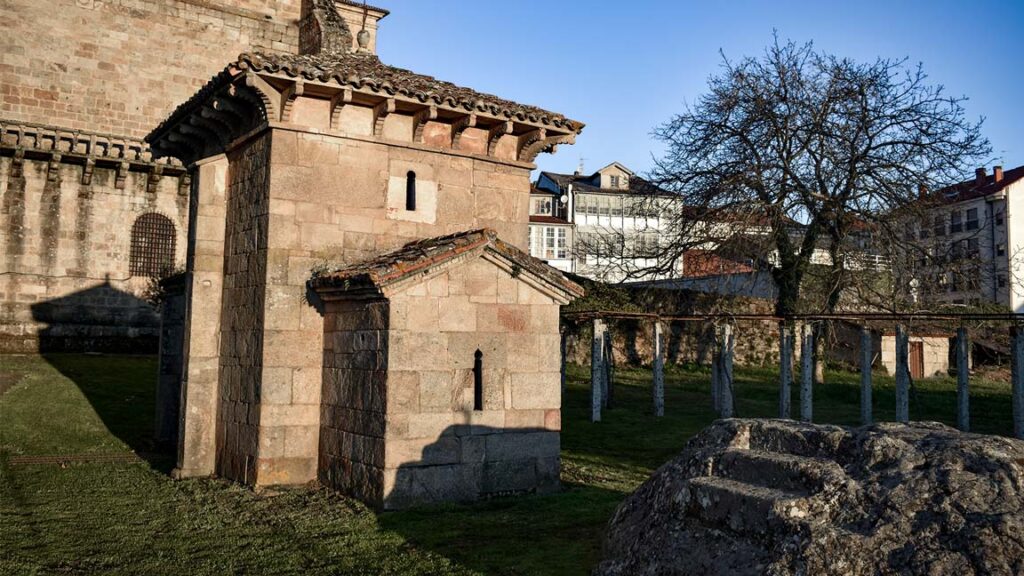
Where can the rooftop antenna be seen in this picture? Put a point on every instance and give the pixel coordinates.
(579, 169)
(363, 37)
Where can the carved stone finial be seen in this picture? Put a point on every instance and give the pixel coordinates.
(363, 38)
(322, 30)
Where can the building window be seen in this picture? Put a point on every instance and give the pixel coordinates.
(542, 206)
(955, 223)
(973, 249)
(1001, 250)
(614, 181)
(549, 242)
(153, 243)
(999, 218)
(939, 227)
(1001, 281)
(478, 380)
(972, 219)
(410, 191)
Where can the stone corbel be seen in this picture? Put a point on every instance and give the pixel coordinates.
(87, 170)
(184, 184)
(530, 151)
(460, 126)
(271, 97)
(380, 112)
(494, 135)
(288, 98)
(529, 141)
(215, 114)
(156, 173)
(338, 103)
(225, 106)
(206, 129)
(419, 122)
(122, 175)
(53, 168)
(18, 162)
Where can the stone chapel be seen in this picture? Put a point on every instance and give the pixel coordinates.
(357, 308)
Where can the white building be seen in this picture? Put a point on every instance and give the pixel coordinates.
(606, 225)
(976, 236)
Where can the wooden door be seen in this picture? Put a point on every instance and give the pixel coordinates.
(917, 360)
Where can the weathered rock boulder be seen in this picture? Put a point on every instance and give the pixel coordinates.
(779, 497)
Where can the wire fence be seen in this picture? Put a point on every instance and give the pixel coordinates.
(965, 369)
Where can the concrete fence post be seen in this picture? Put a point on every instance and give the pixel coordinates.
(785, 368)
(963, 347)
(597, 372)
(608, 383)
(1017, 380)
(659, 369)
(902, 375)
(866, 355)
(562, 345)
(725, 373)
(716, 376)
(807, 373)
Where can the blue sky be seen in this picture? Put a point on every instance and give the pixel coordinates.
(624, 67)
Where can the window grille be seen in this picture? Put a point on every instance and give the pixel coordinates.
(153, 244)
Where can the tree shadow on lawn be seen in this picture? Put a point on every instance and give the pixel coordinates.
(122, 392)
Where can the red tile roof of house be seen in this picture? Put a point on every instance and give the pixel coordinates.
(971, 189)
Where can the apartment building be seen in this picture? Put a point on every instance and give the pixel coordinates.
(607, 225)
(975, 240)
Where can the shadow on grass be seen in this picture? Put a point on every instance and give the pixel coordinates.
(123, 398)
(551, 534)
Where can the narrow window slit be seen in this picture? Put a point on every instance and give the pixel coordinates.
(410, 191)
(478, 380)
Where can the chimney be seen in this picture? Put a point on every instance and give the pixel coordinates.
(362, 21)
(922, 191)
(979, 176)
(336, 27)
(998, 173)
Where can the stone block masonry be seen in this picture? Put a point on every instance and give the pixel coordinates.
(400, 425)
(121, 66)
(69, 205)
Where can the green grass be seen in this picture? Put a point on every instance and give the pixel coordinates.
(132, 519)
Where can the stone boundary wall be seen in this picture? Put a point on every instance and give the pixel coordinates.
(66, 216)
(757, 342)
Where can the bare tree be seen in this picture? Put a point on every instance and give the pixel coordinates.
(802, 158)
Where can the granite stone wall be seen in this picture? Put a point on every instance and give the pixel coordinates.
(400, 426)
(121, 66)
(65, 279)
(353, 414)
(242, 318)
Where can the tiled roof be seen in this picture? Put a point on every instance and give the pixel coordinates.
(580, 183)
(970, 189)
(422, 255)
(367, 71)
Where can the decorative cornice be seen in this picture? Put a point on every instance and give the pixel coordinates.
(63, 146)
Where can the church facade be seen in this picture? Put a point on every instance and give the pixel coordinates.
(346, 297)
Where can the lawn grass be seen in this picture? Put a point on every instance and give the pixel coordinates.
(132, 519)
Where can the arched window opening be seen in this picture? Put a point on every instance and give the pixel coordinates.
(410, 191)
(153, 244)
(478, 380)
